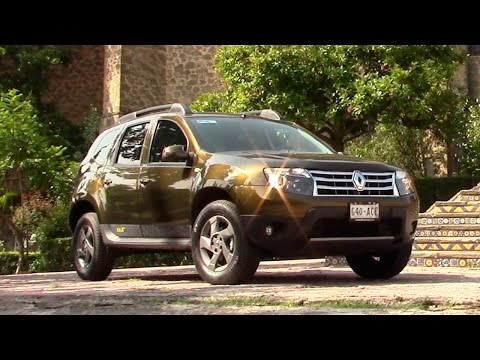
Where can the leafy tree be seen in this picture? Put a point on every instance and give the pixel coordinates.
(27, 69)
(340, 92)
(408, 148)
(28, 161)
(471, 145)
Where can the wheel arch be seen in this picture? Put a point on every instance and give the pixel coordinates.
(77, 210)
(205, 196)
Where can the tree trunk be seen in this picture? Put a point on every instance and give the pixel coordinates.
(338, 145)
(453, 153)
(21, 247)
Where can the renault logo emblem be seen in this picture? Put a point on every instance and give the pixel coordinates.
(359, 180)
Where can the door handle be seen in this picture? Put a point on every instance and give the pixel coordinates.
(107, 181)
(144, 180)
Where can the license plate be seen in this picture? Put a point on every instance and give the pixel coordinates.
(364, 212)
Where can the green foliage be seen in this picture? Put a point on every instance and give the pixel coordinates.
(54, 255)
(23, 150)
(28, 66)
(442, 188)
(55, 223)
(29, 214)
(471, 146)
(91, 127)
(339, 92)
(154, 259)
(9, 259)
(398, 145)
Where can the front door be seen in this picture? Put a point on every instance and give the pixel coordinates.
(164, 187)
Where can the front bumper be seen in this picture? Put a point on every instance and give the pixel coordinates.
(321, 225)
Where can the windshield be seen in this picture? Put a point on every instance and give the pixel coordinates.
(252, 134)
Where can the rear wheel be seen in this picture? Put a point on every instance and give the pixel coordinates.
(91, 258)
(221, 252)
(383, 266)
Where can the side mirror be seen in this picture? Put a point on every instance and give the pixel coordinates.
(174, 153)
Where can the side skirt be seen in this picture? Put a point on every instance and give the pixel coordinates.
(112, 240)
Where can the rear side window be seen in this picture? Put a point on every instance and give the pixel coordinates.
(131, 145)
(100, 149)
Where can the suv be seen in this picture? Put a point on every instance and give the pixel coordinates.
(233, 189)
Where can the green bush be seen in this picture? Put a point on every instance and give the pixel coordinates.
(55, 224)
(9, 260)
(55, 255)
(442, 188)
(154, 259)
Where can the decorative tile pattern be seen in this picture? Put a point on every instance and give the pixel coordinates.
(450, 209)
(447, 246)
(444, 262)
(449, 221)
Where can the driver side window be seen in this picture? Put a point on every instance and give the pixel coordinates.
(167, 133)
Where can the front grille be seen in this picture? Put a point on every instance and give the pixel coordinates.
(329, 183)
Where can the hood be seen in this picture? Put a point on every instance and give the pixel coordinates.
(310, 161)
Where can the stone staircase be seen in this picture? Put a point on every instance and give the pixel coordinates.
(448, 233)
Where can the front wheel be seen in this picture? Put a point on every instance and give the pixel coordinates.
(221, 252)
(383, 266)
(91, 258)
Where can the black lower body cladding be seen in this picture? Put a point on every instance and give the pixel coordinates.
(328, 230)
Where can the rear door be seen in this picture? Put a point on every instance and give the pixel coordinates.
(121, 203)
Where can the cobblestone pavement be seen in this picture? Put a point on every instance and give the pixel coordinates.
(282, 287)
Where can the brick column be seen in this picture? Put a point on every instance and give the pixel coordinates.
(140, 76)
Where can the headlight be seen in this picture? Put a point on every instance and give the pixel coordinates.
(404, 183)
(296, 181)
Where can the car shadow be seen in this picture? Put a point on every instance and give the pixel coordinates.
(326, 277)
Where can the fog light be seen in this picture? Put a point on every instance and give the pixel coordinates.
(269, 230)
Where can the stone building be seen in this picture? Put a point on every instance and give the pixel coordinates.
(117, 79)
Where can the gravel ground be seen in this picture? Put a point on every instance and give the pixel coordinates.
(281, 287)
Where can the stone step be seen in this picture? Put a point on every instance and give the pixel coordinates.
(447, 230)
(427, 259)
(467, 195)
(449, 215)
(444, 259)
(447, 239)
(447, 254)
(443, 246)
(448, 220)
(454, 207)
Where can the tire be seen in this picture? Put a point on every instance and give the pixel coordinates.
(221, 252)
(384, 266)
(91, 258)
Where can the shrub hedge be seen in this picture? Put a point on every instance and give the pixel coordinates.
(56, 255)
(9, 259)
(442, 188)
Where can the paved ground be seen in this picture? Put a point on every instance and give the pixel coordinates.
(283, 287)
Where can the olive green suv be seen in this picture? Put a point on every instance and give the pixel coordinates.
(235, 189)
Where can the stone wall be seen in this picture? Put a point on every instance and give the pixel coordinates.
(143, 77)
(190, 71)
(73, 88)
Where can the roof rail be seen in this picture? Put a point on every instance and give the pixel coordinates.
(176, 108)
(265, 113)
